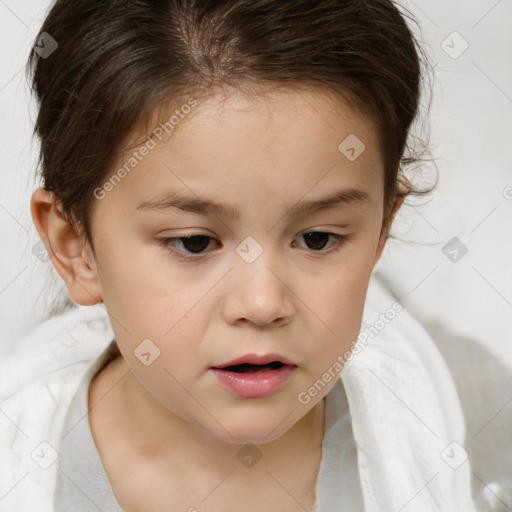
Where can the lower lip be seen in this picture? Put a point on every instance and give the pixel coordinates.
(254, 385)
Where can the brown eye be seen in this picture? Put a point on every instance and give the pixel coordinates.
(194, 244)
(317, 240)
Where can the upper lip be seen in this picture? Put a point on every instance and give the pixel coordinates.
(256, 359)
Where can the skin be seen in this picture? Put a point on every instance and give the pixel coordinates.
(171, 424)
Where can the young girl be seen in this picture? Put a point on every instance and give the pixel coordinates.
(219, 181)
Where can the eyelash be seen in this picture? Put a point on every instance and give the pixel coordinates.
(340, 241)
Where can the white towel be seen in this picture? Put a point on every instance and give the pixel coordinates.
(37, 384)
(406, 416)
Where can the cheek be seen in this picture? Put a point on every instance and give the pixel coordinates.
(163, 358)
(155, 314)
(166, 334)
(144, 293)
(165, 381)
(338, 308)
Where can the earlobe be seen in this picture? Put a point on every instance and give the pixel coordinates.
(65, 248)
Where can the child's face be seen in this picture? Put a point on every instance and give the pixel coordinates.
(258, 286)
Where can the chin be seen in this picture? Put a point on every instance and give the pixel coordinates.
(262, 428)
(251, 437)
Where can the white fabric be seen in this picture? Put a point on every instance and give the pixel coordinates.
(404, 406)
(37, 383)
(405, 413)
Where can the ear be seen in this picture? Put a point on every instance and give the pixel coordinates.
(386, 226)
(74, 262)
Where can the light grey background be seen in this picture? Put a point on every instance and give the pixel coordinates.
(471, 140)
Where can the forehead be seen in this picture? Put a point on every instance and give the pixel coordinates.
(319, 108)
(299, 110)
(282, 142)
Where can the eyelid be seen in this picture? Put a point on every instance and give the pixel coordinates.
(340, 241)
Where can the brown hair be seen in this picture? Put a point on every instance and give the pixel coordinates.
(119, 62)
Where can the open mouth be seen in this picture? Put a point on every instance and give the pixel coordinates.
(260, 377)
(254, 368)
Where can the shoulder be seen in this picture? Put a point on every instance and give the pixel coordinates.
(54, 346)
(37, 383)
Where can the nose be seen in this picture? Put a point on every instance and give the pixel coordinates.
(258, 293)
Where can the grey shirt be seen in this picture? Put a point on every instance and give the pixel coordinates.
(82, 484)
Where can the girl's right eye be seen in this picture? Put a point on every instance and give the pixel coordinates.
(193, 243)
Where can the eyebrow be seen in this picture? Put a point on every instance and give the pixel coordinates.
(347, 197)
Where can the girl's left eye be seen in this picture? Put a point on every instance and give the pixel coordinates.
(197, 243)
